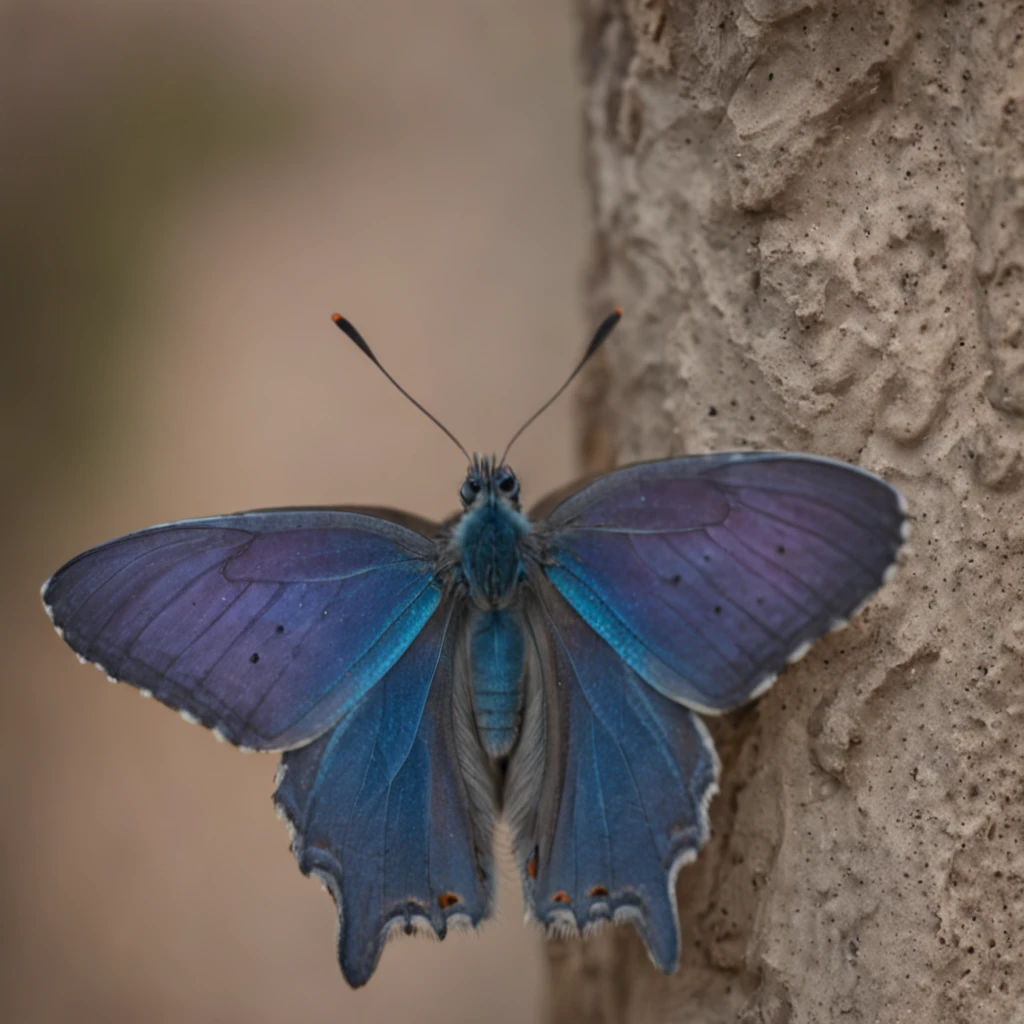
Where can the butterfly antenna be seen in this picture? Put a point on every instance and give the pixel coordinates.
(600, 336)
(359, 341)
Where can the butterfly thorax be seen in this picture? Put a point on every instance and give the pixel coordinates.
(487, 545)
(487, 541)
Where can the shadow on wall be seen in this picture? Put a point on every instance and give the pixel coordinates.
(192, 189)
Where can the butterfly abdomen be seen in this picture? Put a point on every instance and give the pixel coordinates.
(496, 658)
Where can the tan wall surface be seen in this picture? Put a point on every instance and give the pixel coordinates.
(813, 212)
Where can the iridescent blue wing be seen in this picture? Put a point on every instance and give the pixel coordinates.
(620, 803)
(707, 574)
(265, 626)
(393, 810)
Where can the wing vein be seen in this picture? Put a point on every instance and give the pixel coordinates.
(695, 630)
(729, 600)
(594, 713)
(799, 609)
(201, 682)
(633, 634)
(117, 572)
(296, 648)
(181, 654)
(803, 496)
(811, 533)
(167, 604)
(605, 832)
(796, 579)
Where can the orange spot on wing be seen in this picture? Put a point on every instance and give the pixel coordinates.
(599, 890)
(560, 897)
(531, 867)
(447, 899)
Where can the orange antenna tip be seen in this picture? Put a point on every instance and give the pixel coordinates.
(336, 317)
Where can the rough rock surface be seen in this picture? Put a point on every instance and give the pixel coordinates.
(814, 216)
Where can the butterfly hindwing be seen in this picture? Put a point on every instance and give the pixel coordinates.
(392, 810)
(265, 626)
(707, 574)
(622, 800)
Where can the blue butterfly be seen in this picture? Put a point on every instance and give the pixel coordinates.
(424, 679)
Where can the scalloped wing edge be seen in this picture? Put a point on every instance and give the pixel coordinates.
(562, 924)
(328, 872)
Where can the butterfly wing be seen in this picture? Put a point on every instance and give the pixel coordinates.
(392, 810)
(707, 574)
(265, 626)
(621, 801)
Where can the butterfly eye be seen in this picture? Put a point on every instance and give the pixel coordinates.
(507, 483)
(470, 489)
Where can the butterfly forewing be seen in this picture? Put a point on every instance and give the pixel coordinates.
(266, 626)
(707, 574)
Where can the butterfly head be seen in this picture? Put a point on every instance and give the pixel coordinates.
(489, 481)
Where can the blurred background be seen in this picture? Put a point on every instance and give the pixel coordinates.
(188, 190)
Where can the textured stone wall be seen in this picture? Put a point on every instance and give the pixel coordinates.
(814, 216)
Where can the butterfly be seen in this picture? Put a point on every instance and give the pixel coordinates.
(549, 667)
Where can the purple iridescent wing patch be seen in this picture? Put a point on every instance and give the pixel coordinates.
(264, 626)
(707, 574)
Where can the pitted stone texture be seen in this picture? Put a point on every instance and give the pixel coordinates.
(813, 214)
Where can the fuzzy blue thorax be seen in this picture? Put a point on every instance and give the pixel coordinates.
(488, 536)
(487, 540)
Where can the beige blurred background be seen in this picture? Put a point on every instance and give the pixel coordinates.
(188, 190)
